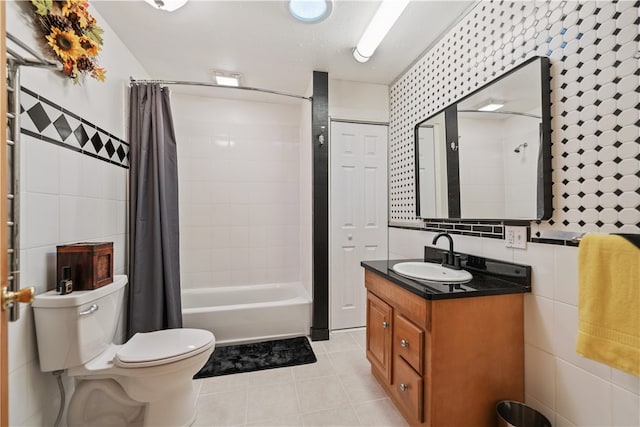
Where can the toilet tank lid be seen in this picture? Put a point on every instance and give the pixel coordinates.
(53, 299)
(162, 345)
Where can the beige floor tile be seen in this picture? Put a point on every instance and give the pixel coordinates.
(224, 383)
(350, 362)
(343, 416)
(271, 401)
(321, 368)
(359, 336)
(340, 341)
(222, 409)
(317, 347)
(378, 413)
(361, 388)
(270, 376)
(293, 420)
(320, 393)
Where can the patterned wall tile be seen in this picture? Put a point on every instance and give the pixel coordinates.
(595, 82)
(44, 120)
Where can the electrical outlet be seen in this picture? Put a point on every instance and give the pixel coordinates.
(515, 237)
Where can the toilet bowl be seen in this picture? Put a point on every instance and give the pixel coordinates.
(146, 381)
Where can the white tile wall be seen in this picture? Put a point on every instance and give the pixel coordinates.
(67, 197)
(239, 167)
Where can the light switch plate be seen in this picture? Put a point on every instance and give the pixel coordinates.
(515, 237)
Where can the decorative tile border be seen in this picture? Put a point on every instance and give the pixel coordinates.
(595, 109)
(47, 121)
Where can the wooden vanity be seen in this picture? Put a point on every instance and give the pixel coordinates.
(445, 360)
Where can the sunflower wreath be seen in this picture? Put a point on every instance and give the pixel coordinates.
(72, 34)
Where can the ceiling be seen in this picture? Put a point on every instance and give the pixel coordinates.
(263, 42)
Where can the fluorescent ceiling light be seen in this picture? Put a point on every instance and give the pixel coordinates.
(167, 5)
(310, 10)
(491, 107)
(386, 15)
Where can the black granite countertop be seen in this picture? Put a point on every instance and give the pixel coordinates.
(490, 277)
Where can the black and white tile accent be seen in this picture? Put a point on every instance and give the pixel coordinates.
(595, 82)
(44, 120)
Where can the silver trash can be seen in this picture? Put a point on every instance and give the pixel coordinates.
(516, 414)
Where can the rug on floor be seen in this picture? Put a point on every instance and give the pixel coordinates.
(235, 359)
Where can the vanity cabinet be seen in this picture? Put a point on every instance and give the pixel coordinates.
(445, 362)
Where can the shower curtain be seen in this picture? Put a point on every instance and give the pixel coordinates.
(154, 264)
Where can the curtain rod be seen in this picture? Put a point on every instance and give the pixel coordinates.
(133, 81)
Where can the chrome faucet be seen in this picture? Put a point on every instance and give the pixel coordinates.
(449, 259)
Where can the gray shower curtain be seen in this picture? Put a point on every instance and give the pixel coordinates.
(154, 259)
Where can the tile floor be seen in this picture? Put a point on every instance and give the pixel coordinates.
(337, 390)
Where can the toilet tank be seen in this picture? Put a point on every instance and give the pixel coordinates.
(73, 329)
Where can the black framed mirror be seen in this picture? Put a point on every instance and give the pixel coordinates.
(488, 156)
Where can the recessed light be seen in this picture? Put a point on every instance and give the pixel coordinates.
(491, 107)
(225, 78)
(227, 81)
(167, 5)
(310, 10)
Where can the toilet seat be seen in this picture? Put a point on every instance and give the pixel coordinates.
(162, 347)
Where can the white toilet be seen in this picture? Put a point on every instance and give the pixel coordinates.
(147, 381)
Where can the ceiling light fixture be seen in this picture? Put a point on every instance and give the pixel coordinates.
(225, 78)
(167, 5)
(310, 10)
(491, 106)
(386, 15)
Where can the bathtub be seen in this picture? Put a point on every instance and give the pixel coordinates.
(248, 313)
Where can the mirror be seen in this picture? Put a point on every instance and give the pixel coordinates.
(488, 156)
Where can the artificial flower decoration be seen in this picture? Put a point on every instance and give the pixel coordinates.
(73, 35)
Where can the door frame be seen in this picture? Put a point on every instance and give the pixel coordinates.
(330, 222)
(4, 262)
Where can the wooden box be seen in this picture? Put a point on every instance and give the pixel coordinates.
(91, 264)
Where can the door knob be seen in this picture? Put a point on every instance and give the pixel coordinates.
(404, 387)
(350, 236)
(404, 343)
(385, 325)
(24, 295)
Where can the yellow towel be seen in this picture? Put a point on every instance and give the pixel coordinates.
(609, 301)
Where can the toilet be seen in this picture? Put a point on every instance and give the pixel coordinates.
(148, 381)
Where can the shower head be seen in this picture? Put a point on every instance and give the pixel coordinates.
(523, 145)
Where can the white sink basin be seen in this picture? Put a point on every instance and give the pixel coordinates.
(431, 272)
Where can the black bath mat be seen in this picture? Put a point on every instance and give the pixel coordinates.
(234, 359)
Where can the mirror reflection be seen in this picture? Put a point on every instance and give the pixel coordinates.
(488, 156)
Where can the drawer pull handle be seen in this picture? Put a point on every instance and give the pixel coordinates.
(404, 343)
(385, 325)
(404, 387)
(90, 310)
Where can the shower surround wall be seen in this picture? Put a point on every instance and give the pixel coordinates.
(595, 116)
(238, 166)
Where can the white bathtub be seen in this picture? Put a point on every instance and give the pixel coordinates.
(248, 313)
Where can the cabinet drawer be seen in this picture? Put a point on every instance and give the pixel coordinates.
(409, 342)
(407, 388)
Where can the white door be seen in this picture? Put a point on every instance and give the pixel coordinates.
(358, 215)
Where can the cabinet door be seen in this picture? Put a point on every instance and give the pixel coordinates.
(379, 327)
